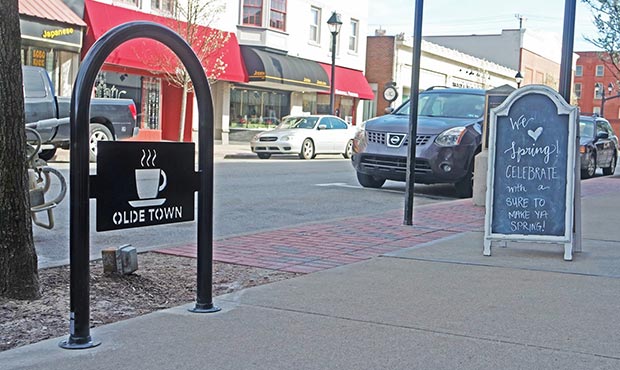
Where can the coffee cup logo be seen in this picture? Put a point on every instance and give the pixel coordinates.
(149, 181)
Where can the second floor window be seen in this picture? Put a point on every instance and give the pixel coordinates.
(166, 6)
(598, 93)
(315, 25)
(253, 12)
(600, 70)
(132, 2)
(277, 15)
(355, 25)
(578, 91)
(579, 71)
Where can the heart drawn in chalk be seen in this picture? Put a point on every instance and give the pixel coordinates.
(535, 134)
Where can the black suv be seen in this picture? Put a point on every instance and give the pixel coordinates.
(598, 146)
(448, 137)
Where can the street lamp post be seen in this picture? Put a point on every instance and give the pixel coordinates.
(334, 24)
(519, 79)
(599, 88)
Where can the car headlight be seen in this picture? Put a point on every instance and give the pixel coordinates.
(450, 137)
(359, 140)
(360, 134)
(286, 138)
(256, 137)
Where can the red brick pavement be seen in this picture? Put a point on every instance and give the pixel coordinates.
(318, 246)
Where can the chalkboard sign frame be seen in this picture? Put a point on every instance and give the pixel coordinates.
(503, 110)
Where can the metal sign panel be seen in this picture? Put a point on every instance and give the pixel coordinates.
(143, 184)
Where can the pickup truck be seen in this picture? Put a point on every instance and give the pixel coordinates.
(110, 119)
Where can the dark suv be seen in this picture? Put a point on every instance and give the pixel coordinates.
(448, 137)
(598, 146)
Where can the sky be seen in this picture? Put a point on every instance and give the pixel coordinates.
(458, 17)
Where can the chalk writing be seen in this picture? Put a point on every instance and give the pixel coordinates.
(520, 122)
(530, 169)
(519, 188)
(531, 173)
(517, 152)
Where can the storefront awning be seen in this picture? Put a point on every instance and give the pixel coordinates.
(150, 55)
(277, 70)
(350, 82)
(53, 10)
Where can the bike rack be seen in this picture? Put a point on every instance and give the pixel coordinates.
(39, 183)
(79, 195)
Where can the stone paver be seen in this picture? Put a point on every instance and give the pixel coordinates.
(318, 246)
(324, 245)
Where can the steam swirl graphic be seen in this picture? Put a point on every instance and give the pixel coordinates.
(148, 158)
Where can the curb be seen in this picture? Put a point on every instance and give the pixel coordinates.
(63, 156)
(240, 156)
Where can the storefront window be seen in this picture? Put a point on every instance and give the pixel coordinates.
(144, 91)
(322, 104)
(38, 57)
(309, 103)
(251, 108)
(115, 85)
(61, 65)
(65, 72)
(151, 112)
(346, 109)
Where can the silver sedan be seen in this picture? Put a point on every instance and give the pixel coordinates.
(306, 136)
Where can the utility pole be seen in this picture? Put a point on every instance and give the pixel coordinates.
(521, 18)
(519, 76)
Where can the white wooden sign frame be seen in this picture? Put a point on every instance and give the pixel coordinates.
(502, 111)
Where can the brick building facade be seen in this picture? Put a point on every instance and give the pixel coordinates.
(380, 67)
(592, 69)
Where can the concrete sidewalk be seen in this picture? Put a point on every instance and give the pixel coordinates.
(422, 304)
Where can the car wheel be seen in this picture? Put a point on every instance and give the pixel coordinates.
(369, 181)
(264, 155)
(590, 169)
(307, 150)
(348, 150)
(465, 187)
(608, 171)
(98, 132)
(47, 154)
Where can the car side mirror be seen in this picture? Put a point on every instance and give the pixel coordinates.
(322, 127)
(602, 135)
(389, 110)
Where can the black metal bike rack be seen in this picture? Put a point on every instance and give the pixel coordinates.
(79, 237)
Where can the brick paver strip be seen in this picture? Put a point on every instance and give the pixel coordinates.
(317, 246)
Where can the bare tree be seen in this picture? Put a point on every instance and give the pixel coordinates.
(191, 20)
(607, 21)
(18, 259)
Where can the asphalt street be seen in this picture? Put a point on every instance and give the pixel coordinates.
(250, 195)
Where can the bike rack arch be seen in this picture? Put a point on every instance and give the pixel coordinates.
(79, 216)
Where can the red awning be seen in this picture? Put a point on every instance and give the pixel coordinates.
(149, 54)
(350, 82)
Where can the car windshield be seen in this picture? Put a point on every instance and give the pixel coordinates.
(449, 105)
(298, 122)
(586, 129)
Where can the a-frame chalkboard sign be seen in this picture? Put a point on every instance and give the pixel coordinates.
(530, 187)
